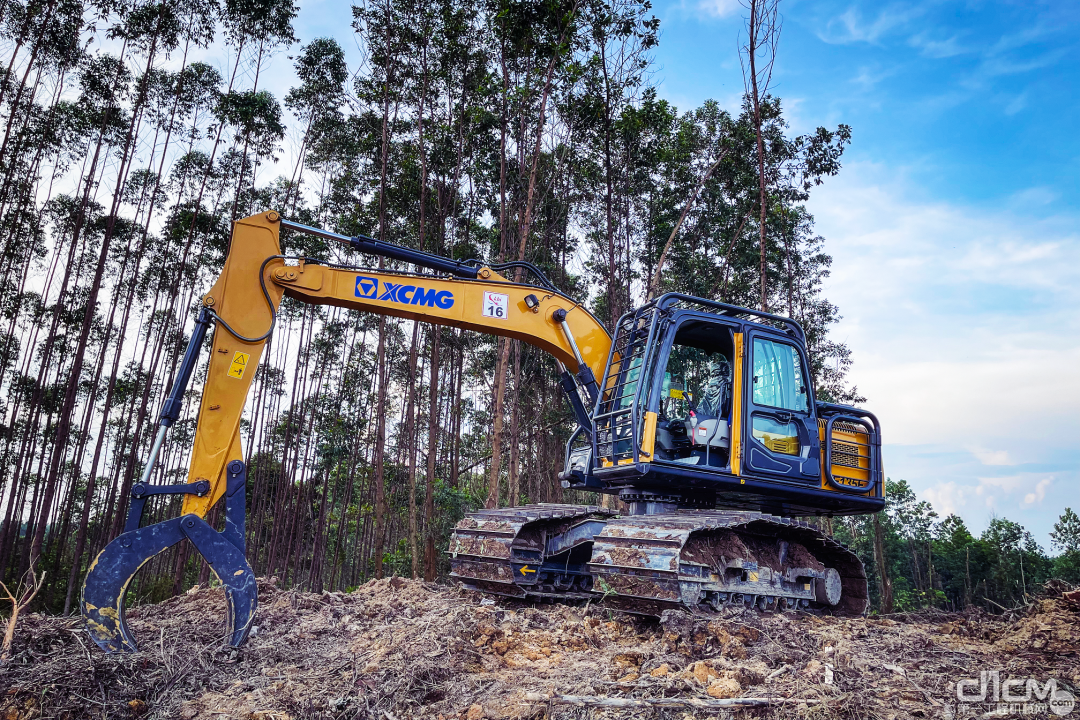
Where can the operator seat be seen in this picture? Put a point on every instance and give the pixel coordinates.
(717, 391)
(709, 427)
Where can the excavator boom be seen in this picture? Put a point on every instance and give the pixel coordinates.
(256, 275)
(243, 304)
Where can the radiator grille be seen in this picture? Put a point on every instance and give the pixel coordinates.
(846, 454)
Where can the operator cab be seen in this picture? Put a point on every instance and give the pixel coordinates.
(704, 403)
(697, 423)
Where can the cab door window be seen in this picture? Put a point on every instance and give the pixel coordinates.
(779, 381)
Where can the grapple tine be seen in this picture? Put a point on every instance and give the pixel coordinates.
(109, 576)
(232, 569)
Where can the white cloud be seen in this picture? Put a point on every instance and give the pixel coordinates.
(961, 320)
(996, 66)
(990, 457)
(1032, 197)
(867, 77)
(946, 498)
(851, 27)
(1016, 483)
(937, 49)
(952, 497)
(1017, 104)
(719, 8)
(963, 327)
(1040, 492)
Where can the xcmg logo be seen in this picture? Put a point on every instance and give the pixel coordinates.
(368, 287)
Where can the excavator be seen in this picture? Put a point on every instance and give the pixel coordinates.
(699, 416)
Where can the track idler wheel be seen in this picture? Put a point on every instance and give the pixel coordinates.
(114, 568)
(829, 588)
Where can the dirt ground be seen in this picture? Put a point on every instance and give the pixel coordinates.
(397, 649)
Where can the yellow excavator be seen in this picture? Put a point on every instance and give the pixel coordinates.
(698, 415)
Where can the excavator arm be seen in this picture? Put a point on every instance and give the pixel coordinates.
(243, 305)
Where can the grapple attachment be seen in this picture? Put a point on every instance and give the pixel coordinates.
(112, 571)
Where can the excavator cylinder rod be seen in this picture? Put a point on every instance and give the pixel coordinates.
(365, 244)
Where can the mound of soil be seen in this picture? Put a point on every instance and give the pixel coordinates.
(397, 649)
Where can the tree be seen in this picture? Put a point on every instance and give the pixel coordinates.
(1066, 533)
(762, 35)
(488, 129)
(1066, 537)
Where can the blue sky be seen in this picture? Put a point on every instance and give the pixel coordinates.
(954, 225)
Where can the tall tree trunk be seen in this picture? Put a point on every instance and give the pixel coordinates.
(410, 442)
(379, 548)
(513, 489)
(430, 558)
(884, 583)
(762, 28)
(613, 292)
(71, 394)
(524, 228)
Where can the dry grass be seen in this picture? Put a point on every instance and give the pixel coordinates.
(405, 649)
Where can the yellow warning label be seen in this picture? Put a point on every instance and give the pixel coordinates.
(239, 364)
(753, 576)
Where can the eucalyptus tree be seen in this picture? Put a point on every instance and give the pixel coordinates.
(379, 94)
(317, 101)
(613, 65)
(533, 40)
(499, 129)
(1065, 537)
(146, 30)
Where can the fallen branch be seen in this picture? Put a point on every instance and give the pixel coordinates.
(20, 599)
(1010, 610)
(614, 702)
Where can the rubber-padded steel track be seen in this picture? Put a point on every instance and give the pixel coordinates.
(533, 551)
(648, 563)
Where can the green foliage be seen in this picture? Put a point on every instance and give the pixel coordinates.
(255, 115)
(941, 564)
(479, 129)
(1066, 533)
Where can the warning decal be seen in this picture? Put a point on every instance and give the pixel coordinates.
(239, 364)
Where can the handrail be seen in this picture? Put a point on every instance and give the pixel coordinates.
(858, 416)
(664, 302)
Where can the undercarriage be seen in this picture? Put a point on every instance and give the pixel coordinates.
(645, 564)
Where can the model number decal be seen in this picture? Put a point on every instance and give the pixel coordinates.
(496, 305)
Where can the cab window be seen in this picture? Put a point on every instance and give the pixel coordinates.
(778, 376)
